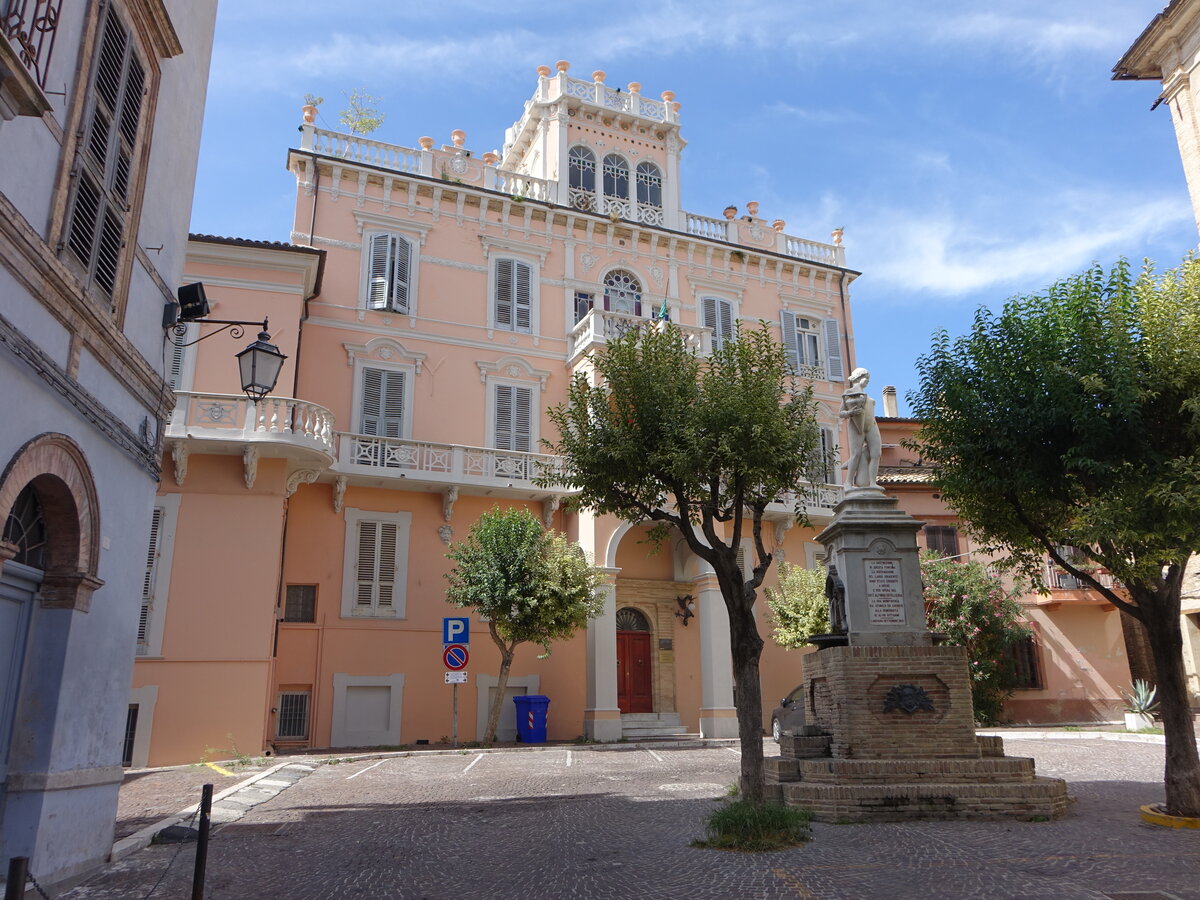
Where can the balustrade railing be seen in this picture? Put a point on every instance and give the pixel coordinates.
(30, 26)
(600, 326)
(524, 186)
(812, 496)
(364, 150)
(234, 417)
(703, 226)
(449, 463)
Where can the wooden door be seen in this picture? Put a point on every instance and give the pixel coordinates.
(634, 694)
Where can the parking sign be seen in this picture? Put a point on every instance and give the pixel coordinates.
(456, 630)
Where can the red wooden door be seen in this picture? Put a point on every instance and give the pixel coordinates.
(633, 672)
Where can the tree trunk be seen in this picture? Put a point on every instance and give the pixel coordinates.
(506, 658)
(1160, 615)
(745, 646)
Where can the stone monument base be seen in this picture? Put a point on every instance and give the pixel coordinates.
(890, 736)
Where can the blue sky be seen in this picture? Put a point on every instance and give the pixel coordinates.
(971, 151)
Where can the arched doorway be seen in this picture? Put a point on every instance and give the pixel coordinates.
(24, 536)
(635, 689)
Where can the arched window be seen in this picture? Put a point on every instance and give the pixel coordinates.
(26, 528)
(649, 193)
(622, 292)
(581, 167)
(616, 176)
(630, 619)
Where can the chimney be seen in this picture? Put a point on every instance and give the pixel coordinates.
(890, 409)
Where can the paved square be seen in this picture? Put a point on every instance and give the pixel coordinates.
(618, 823)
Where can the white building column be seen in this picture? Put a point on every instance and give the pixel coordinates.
(601, 715)
(718, 716)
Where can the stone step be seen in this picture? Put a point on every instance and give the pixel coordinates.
(843, 803)
(664, 718)
(641, 731)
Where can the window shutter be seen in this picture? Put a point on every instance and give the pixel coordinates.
(522, 419)
(377, 277)
(504, 293)
(746, 560)
(504, 417)
(725, 317)
(178, 353)
(718, 315)
(382, 403)
(149, 576)
(387, 565)
(787, 327)
(522, 297)
(833, 350)
(367, 564)
(401, 259)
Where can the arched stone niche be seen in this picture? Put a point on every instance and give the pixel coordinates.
(56, 468)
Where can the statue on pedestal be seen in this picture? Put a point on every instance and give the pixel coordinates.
(858, 409)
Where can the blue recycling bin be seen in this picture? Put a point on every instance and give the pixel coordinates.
(532, 711)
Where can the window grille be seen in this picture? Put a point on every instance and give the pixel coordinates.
(26, 528)
(300, 603)
(96, 229)
(583, 305)
(131, 719)
(616, 177)
(622, 292)
(649, 184)
(581, 163)
(630, 619)
(292, 721)
(1027, 672)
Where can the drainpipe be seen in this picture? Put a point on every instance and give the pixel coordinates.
(845, 321)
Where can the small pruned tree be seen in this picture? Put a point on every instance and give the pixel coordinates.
(532, 586)
(1072, 417)
(963, 601)
(362, 115)
(701, 446)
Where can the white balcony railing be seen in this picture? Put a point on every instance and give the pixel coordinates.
(600, 326)
(444, 463)
(815, 498)
(233, 417)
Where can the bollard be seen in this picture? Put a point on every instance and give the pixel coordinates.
(18, 870)
(202, 843)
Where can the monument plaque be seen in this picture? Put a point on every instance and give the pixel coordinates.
(885, 591)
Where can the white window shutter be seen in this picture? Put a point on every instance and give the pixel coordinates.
(366, 566)
(522, 297)
(382, 403)
(523, 419)
(402, 255)
(379, 265)
(787, 327)
(148, 580)
(504, 293)
(833, 350)
(725, 317)
(386, 577)
(504, 417)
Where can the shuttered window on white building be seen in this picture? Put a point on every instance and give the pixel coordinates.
(513, 302)
(389, 265)
(104, 170)
(718, 315)
(148, 582)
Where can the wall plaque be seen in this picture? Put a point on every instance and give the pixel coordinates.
(885, 591)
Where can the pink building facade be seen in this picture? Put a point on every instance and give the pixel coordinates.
(433, 303)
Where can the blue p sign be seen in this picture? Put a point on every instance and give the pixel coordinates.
(456, 630)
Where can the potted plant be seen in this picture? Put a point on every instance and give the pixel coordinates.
(309, 109)
(1140, 706)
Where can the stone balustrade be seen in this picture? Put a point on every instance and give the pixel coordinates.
(600, 326)
(233, 417)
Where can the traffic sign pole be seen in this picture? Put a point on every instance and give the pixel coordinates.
(454, 719)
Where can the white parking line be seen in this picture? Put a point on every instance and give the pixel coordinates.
(652, 753)
(568, 759)
(734, 750)
(475, 760)
(367, 769)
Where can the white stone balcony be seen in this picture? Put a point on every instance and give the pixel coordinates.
(476, 469)
(600, 326)
(275, 425)
(817, 500)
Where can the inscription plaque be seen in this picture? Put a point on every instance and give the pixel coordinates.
(885, 592)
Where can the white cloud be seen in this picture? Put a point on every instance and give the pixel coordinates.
(951, 254)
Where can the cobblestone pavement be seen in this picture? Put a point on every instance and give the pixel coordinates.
(618, 823)
(148, 795)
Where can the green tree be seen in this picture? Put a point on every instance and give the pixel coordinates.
(1072, 417)
(532, 585)
(701, 446)
(362, 115)
(974, 610)
(799, 608)
(962, 600)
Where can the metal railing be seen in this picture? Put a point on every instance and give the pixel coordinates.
(31, 26)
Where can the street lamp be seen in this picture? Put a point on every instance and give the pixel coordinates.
(259, 363)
